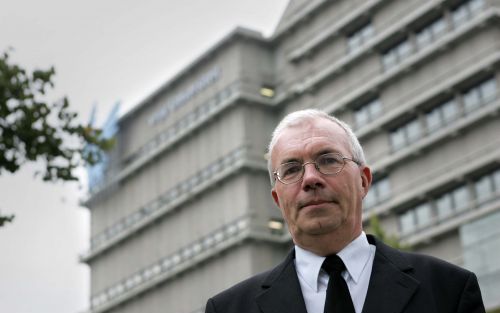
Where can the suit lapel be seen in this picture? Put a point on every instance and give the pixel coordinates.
(390, 286)
(282, 290)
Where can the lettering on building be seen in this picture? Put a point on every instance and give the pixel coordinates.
(178, 100)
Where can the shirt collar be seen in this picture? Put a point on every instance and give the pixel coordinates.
(355, 257)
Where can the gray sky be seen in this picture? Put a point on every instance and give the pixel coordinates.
(103, 52)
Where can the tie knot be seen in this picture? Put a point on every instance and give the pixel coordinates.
(333, 264)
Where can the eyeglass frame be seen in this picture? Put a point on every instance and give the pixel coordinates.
(316, 166)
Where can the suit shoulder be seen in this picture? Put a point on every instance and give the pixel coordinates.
(242, 292)
(430, 262)
(423, 266)
(432, 271)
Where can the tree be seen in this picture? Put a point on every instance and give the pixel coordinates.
(380, 233)
(35, 130)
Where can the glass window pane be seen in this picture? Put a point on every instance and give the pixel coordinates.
(354, 42)
(404, 50)
(444, 206)
(407, 222)
(488, 90)
(496, 180)
(424, 215)
(389, 59)
(367, 32)
(370, 198)
(383, 189)
(476, 5)
(375, 109)
(459, 16)
(397, 138)
(414, 130)
(361, 117)
(472, 100)
(450, 111)
(423, 38)
(484, 189)
(461, 198)
(433, 119)
(438, 27)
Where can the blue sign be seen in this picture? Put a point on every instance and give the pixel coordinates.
(97, 173)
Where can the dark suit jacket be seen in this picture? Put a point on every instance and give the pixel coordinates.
(399, 282)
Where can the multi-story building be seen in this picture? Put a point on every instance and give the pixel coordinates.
(184, 208)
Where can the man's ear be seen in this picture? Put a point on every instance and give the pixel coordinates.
(366, 178)
(275, 197)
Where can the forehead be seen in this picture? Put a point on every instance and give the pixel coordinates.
(309, 138)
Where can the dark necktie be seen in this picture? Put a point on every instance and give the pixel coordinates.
(338, 298)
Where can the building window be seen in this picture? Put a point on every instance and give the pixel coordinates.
(484, 189)
(476, 5)
(466, 11)
(460, 16)
(496, 180)
(444, 206)
(396, 54)
(379, 192)
(367, 113)
(423, 215)
(479, 95)
(359, 38)
(370, 199)
(461, 198)
(472, 100)
(416, 218)
(488, 90)
(397, 137)
(481, 250)
(451, 203)
(450, 111)
(442, 115)
(413, 130)
(407, 222)
(383, 189)
(433, 119)
(406, 134)
(431, 32)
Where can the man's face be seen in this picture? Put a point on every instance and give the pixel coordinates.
(319, 204)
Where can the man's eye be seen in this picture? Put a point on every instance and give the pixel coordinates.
(329, 160)
(291, 169)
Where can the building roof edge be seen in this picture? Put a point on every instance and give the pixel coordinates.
(236, 33)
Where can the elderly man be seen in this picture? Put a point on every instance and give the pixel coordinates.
(320, 178)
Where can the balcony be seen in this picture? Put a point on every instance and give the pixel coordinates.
(244, 228)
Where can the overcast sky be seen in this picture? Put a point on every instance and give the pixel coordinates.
(103, 52)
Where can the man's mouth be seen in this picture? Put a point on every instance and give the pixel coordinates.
(315, 202)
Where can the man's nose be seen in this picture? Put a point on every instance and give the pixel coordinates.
(312, 178)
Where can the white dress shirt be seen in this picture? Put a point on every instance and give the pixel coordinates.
(358, 258)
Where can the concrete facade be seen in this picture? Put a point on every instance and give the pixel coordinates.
(185, 210)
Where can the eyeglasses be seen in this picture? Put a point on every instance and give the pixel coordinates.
(327, 164)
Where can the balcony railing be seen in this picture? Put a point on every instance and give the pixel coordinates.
(195, 119)
(473, 210)
(378, 77)
(223, 238)
(418, 187)
(387, 158)
(173, 198)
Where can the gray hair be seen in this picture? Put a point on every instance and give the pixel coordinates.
(298, 117)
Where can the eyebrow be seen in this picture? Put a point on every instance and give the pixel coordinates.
(288, 160)
(314, 156)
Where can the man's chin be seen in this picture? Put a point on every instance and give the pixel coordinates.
(319, 227)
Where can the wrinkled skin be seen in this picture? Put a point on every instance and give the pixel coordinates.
(323, 212)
